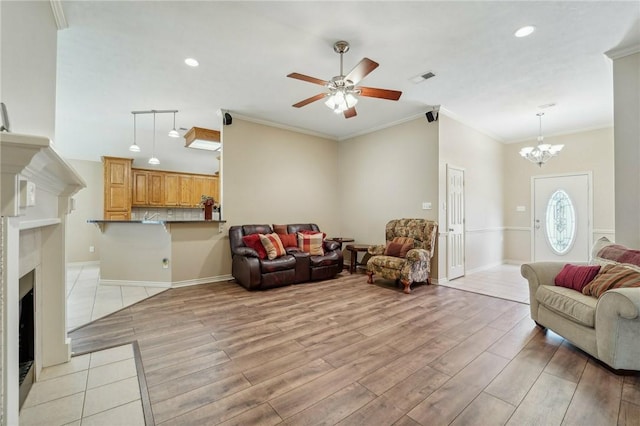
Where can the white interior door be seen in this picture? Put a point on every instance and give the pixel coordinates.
(455, 222)
(562, 207)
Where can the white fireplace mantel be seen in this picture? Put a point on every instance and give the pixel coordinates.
(35, 198)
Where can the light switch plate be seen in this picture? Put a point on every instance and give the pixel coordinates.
(521, 209)
(426, 205)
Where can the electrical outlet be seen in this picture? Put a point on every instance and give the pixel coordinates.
(92, 249)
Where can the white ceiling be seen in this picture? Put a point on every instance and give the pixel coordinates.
(117, 56)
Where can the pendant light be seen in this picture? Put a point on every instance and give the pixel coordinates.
(134, 147)
(154, 160)
(173, 133)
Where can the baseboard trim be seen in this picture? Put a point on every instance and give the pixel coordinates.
(158, 284)
(198, 281)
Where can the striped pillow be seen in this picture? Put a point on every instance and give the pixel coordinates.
(612, 276)
(272, 245)
(311, 243)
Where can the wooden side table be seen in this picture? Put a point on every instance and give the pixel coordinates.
(341, 240)
(354, 249)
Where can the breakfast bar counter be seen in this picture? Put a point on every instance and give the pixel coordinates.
(161, 253)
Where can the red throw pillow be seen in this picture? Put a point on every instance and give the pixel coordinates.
(279, 229)
(288, 240)
(576, 276)
(253, 241)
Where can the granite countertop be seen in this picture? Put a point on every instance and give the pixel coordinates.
(155, 221)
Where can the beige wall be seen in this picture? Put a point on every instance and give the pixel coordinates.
(626, 87)
(272, 175)
(387, 175)
(589, 151)
(88, 205)
(481, 158)
(28, 84)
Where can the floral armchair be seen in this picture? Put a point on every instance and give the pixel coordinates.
(418, 237)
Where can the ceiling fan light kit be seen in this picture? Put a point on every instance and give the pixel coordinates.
(543, 152)
(343, 93)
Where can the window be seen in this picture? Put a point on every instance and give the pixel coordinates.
(561, 222)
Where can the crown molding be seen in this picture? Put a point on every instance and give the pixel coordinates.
(621, 52)
(382, 126)
(281, 126)
(58, 14)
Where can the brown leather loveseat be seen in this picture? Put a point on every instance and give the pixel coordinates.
(296, 266)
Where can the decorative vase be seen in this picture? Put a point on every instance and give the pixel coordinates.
(208, 211)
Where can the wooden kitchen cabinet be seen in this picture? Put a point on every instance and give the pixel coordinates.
(205, 185)
(171, 189)
(117, 187)
(126, 187)
(186, 190)
(155, 189)
(148, 188)
(140, 193)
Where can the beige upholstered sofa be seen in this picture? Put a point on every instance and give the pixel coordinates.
(608, 327)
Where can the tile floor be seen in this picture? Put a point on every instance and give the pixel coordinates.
(87, 300)
(100, 388)
(503, 281)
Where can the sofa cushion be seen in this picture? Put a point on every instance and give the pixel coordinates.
(612, 276)
(288, 240)
(282, 263)
(576, 276)
(328, 259)
(568, 303)
(386, 262)
(253, 241)
(272, 245)
(398, 248)
(311, 243)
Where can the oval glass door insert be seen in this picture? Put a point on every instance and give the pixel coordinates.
(561, 222)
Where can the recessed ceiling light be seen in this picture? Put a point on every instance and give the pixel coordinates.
(191, 62)
(525, 31)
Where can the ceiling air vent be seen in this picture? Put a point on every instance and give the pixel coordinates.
(422, 77)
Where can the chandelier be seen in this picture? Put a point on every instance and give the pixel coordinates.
(543, 152)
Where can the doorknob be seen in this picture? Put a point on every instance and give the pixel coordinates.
(537, 223)
(450, 229)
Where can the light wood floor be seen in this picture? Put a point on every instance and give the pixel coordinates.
(343, 351)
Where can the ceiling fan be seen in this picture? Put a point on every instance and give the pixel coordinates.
(343, 92)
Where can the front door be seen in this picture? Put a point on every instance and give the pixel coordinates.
(562, 218)
(455, 222)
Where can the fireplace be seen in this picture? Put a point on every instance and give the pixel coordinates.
(26, 335)
(37, 185)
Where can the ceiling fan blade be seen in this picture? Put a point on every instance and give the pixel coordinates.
(308, 79)
(372, 92)
(309, 100)
(360, 71)
(351, 112)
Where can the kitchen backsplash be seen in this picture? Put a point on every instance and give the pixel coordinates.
(138, 213)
